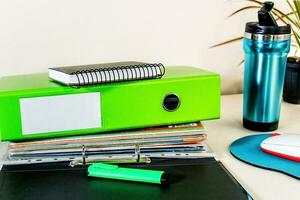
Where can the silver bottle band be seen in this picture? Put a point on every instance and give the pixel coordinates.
(267, 37)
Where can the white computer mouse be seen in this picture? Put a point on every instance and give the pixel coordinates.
(283, 145)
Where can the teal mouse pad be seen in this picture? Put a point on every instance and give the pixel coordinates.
(247, 149)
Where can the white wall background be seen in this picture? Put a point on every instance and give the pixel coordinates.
(37, 34)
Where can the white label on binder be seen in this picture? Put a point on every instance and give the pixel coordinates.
(60, 113)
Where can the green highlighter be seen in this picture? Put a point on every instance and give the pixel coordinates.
(102, 170)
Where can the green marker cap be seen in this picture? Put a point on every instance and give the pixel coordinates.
(102, 170)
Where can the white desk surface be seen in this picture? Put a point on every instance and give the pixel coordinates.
(260, 183)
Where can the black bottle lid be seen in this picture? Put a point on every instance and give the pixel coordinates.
(266, 23)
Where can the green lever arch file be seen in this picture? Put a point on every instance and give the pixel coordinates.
(32, 106)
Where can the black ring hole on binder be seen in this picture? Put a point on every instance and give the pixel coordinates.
(117, 74)
(171, 102)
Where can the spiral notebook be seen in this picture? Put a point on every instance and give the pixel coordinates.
(82, 75)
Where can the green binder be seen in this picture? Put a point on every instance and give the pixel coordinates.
(32, 106)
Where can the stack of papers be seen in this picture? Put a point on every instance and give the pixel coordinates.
(174, 141)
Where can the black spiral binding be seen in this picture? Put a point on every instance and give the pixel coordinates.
(118, 74)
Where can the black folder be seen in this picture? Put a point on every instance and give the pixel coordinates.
(189, 179)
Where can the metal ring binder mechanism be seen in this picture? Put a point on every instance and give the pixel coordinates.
(83, 159)
(118, 74)
(134, 158)
(83, 155)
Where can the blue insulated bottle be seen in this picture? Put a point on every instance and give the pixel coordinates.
(266, 46)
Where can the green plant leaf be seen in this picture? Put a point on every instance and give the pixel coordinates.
(294, 22)
(293, 45)
(287, 19)
(227, 42)
(286, 14)
(278, 14)
(240, 63)
(292, 17)
(243, 9)
(297, 7)
(292, 8)
(296, 36)
(284, 18)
